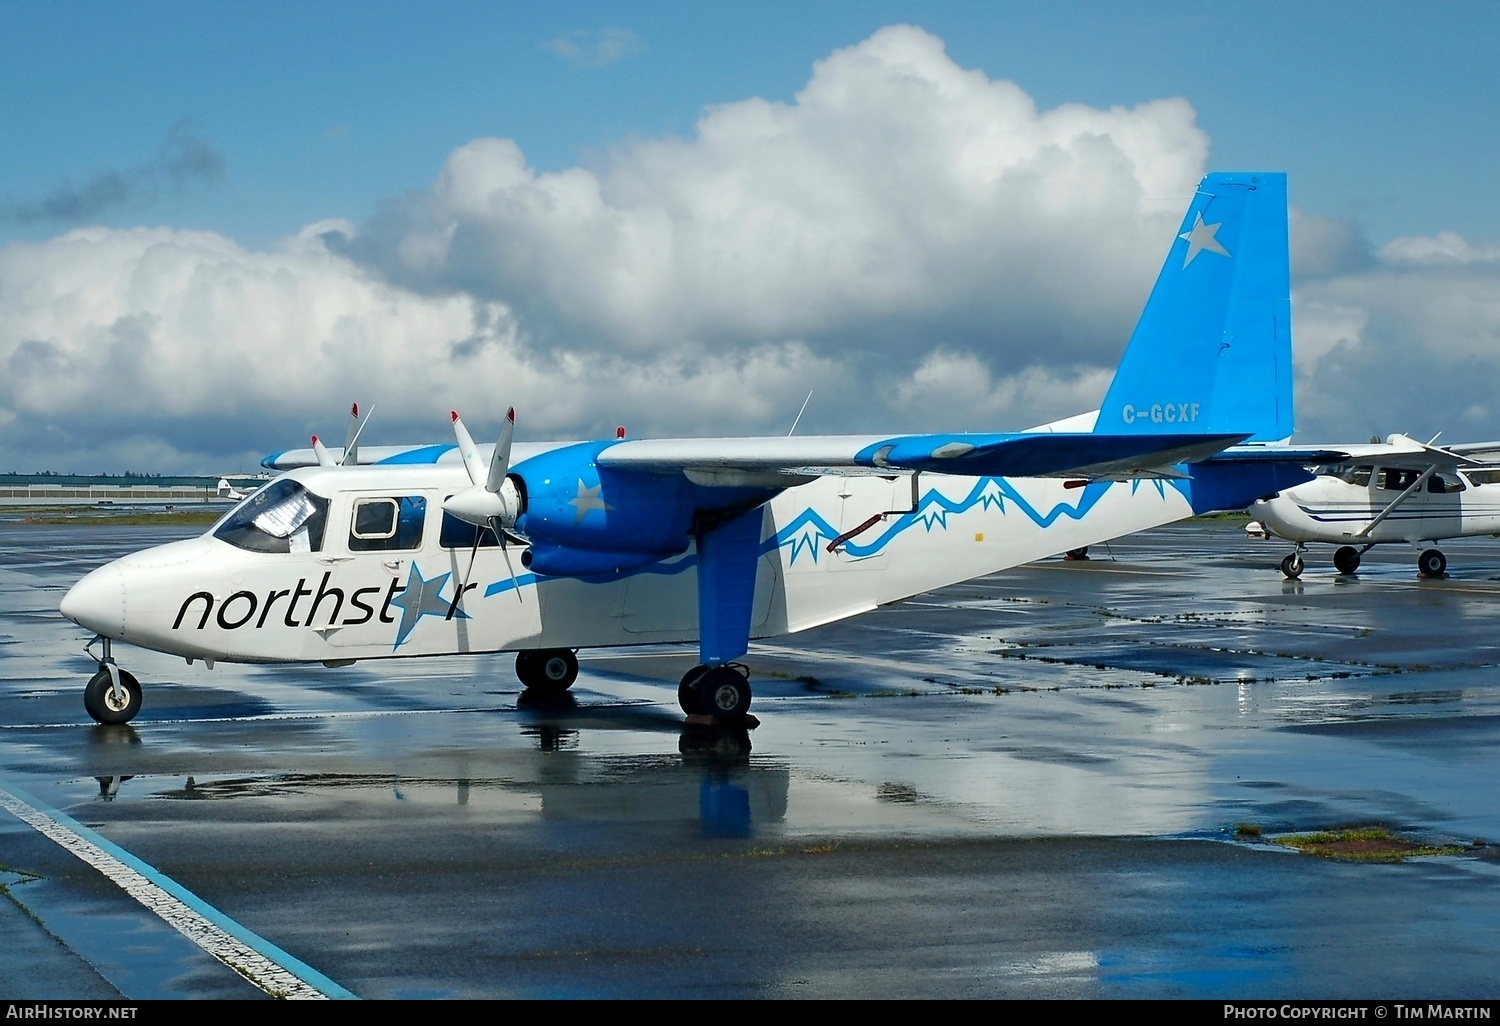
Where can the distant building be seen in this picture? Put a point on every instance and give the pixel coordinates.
(105, 489)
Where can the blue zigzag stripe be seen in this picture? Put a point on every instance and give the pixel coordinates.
(932, 509)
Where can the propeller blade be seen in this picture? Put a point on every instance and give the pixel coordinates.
(466, 449)
(463, 583)
(505, 552)
(325, 458)
(500, 461)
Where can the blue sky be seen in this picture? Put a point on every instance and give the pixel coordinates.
(1389, 112)
(246, 123)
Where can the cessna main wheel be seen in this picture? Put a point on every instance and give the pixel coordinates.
(1346, 559)
(1432, 563)
(547, 671)
(104, 705)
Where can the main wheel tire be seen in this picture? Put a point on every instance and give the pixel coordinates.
(1346, 559)
(687, 691)
(723, 693)
(99, 697)
(547, 671)
(1292, 566)
(1432, 563)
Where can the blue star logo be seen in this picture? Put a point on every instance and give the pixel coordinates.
(421, 597)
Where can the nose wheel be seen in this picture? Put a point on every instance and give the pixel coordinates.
(1292, 566)
(112, 695)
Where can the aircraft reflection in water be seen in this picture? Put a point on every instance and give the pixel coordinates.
(714, 783)
(542, 549)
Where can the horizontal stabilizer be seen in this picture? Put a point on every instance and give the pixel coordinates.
(1046, 455)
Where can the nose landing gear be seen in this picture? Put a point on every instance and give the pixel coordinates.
(112, 695)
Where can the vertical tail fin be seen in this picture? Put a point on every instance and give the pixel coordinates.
(1212, 351)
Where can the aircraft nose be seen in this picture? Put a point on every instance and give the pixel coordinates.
(98, 602)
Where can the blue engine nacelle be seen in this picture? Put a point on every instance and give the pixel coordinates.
(582, 519)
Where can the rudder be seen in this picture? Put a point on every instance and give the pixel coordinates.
(1212, 351)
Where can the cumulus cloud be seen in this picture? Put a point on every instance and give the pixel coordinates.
(901, 202)
(595, 48)
(1410, 343)
(183, 158)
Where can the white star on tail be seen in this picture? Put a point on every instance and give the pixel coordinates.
(1202, 237)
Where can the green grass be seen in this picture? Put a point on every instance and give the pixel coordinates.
(1364, 844)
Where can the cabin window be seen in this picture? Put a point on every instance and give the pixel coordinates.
(281, 517)
(387, 524)
(1483, 477)
(1444, 483)
(1357, 475)
(1394, 479)
(459, 534)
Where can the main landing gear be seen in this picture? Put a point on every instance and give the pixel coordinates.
(722, 692)
(1432, 563)
(547, 672)
(112, 695)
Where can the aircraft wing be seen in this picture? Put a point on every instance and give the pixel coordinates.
(1053, 454)
(792, 460)
(1407, 453)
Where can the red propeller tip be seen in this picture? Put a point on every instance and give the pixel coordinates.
(510, 414)
(620, 431)
(354, 410)
(453, 414)
(314, 439)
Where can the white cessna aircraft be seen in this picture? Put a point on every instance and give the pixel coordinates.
(545, 548)
(1401, 490)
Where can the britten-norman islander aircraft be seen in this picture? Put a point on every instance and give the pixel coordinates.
(542, 549)
(1399, 490)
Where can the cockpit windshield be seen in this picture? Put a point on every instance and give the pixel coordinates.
(281, 517)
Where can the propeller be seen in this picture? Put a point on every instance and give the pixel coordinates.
(491, 500)
(325, 458)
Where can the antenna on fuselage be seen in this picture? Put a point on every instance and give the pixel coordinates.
(800, 412)
(351, 438)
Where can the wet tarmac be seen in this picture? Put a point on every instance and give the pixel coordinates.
(1025, 786)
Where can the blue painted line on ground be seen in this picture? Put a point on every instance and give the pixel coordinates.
(251, 940)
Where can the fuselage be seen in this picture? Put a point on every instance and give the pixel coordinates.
(1340, 508)
(340, 564)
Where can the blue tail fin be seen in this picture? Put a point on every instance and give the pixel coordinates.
(1213, 349)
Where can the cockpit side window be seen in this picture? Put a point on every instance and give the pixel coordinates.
(281, 517)
(1395, 479)
(387, 524)
(1359, 475)
(1442, 483)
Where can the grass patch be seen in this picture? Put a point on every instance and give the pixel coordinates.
(178, 517)
(1364, 844)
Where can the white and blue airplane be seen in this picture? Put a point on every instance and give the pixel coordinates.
(1400, 490)
(543, 549)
